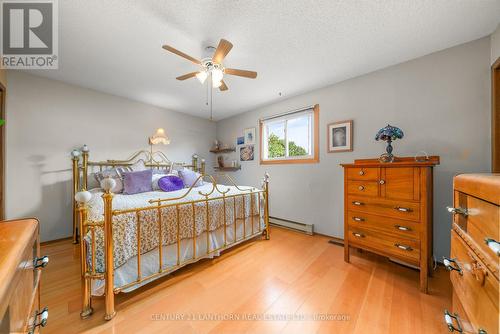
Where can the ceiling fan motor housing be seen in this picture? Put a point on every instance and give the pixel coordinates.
(208, 65)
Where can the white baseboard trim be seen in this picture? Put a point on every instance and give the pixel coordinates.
(306, 228)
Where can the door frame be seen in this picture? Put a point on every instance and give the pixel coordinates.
(3, 93)
(495, 116)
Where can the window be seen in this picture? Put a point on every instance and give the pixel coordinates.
(290, 138)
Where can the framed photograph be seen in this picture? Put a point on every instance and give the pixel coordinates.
(249, 135)
(247, 153)
(240, 140)
(340, 136)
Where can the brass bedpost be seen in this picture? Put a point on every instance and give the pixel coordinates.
(266, 206)
(82, 198)
(107, 185)
(85, 160)
(195, 162)
(202, 169)
(75, 157)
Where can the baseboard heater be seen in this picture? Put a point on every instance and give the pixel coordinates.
(306, 228)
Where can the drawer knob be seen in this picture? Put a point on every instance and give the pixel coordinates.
(361, 188)
(358, 235)
(381, 181)
(402, 228)
(361, 172)
(41, 319)
(457, 211)
(399, 208)
(358, 219)
(448, 319)
(357, 203)
(404, 247)
(41, 262)
(451, 264)
(493, 245)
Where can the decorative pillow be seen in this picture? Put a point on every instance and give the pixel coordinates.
(138, 166)
(189, 177)
(161, 171)
(157, 177)
(137, 182)
(170, 183)
(176, 167)
(114, 173)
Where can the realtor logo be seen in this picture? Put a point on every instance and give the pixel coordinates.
(29, 34)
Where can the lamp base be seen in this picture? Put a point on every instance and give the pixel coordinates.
(386, 157)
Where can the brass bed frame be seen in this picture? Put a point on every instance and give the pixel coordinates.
(82, 226)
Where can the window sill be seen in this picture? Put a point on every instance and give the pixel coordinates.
(289, 161)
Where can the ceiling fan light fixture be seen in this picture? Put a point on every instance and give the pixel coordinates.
(217, 75)
(216, 84)
(202, 76)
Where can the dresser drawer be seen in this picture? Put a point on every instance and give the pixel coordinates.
(475, 286)
(365, 188)
(384, 207)
(362, 173)
(481, 223)
(386, 244)
(403, 228)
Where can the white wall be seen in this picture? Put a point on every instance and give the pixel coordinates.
(495, 45)
(46, 119)
(441, 101)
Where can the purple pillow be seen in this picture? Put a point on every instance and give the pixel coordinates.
(170, 183)
(137, 182)
(189, 177)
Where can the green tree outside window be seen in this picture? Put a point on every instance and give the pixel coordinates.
(276, 148)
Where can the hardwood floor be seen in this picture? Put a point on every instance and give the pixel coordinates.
(291, 275)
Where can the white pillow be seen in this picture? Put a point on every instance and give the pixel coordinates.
(138, 166)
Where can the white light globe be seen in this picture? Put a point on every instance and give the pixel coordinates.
(201, 76)
(217, 75)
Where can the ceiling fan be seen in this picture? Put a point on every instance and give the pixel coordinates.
(212, 66)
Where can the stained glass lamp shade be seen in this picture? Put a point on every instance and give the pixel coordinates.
(389, 134)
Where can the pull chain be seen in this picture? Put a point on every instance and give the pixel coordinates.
(211, 98)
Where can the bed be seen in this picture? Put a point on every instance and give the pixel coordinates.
(127, 241)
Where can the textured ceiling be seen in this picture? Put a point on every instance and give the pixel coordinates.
(114, 46)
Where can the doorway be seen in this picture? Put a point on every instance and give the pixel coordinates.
(495, 117)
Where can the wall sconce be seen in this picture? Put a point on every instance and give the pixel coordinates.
(158, 138)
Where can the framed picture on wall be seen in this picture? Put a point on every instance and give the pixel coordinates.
(247, 153)
(249, 135)
(339, 135)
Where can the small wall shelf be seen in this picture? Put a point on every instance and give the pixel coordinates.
(223, 150)
(228, 169)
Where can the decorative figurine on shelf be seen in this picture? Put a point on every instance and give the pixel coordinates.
(388, 134)
(220, 161)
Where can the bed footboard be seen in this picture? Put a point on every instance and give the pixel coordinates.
(257, 199)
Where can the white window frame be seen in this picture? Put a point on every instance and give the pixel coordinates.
(312, 157)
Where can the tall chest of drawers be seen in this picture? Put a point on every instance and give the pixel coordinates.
(20, 273)
(474, 255)
(388, 210)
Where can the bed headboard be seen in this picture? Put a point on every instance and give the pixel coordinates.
(82, 167)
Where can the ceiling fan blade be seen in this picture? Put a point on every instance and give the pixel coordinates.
(223, 87)
(222, 50)
(187, 76)
(241, 73)
(182, 54)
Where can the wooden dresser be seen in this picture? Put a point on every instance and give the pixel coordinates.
(474, 255)
(388, 210)
(20, 271)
